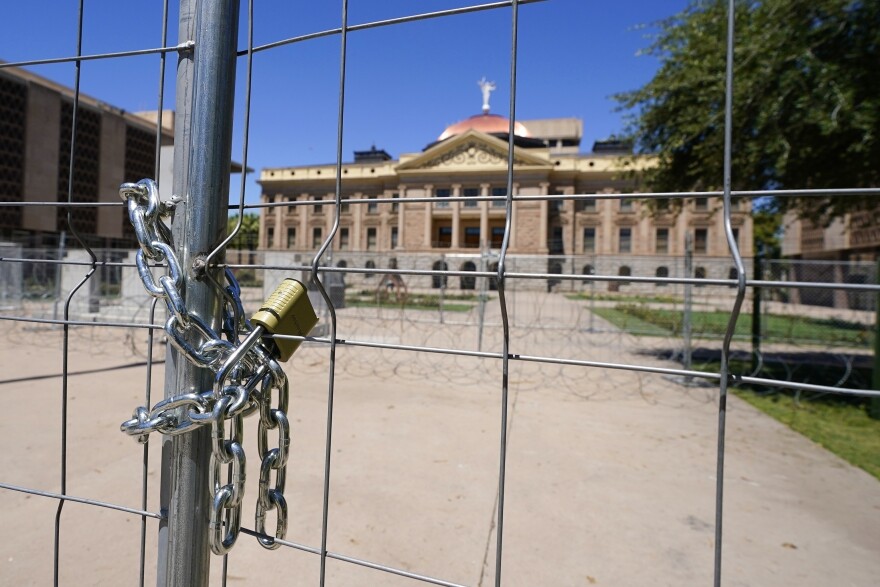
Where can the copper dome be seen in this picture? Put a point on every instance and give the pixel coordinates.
(487, 123)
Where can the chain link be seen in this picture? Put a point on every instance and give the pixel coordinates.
(246, 375)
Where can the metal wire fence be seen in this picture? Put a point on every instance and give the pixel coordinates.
(497, 331)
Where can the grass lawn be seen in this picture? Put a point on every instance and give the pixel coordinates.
(796, 329)
(600, 297)
(447, 307)
(844, 429)
(452, 303)
(629, 323)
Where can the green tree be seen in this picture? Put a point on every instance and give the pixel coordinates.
(806, 100)
(249, 234)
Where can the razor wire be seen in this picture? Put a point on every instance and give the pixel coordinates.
(210, 357)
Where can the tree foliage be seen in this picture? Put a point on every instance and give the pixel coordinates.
(806, 100)
(249, 234)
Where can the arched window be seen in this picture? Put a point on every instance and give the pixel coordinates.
(342, 264)
(662, 271)
(554, 267)
(700, 273)
(624, 271)
(369, 265)
(468, 281)
(438, 281)
(493, 281)
(732, 274)
(588, 270)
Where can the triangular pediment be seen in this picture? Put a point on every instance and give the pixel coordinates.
(471, 150)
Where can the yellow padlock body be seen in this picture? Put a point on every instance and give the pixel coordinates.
(287, 311)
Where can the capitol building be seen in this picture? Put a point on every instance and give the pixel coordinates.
(445, 229)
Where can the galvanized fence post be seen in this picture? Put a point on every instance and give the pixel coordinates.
(202, 155)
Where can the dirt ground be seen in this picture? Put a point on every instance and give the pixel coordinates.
(610, 473)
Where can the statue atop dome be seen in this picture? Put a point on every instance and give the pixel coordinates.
(486, 87)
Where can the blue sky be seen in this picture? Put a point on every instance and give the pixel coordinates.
(405, 83)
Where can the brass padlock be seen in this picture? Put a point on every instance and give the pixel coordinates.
(288, 311)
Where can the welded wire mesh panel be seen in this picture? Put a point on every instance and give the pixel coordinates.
(506, 384)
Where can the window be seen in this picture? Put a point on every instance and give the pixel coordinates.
(439, 281)
(441, 194)
(624, 271)
(472, 237)
(590, 239)
(291, 238)
(662, 245)
(291, 209)
(369, 265)
(394, 204)
(372, 206)
(343, 239)
(556, 205)
(393, 237)
(467, 281)
(471, 193)
(587, 205)
(556, 246)
(734, 275)
(700, 273)
(662, 271)
(701, 204)
(345, 207)
(626, 205)
(444, 237)
(701, 241)
(556, 269)
(625, 241)
(317, 237)
(371, 239)
(502, 192)
(270, 237)
(318, 208)
(497, 237)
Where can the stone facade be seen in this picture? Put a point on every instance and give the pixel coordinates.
(853, 237)
(418, 208)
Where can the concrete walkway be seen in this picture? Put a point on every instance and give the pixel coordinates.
(611, 474)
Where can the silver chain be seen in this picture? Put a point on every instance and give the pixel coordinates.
(246, 374)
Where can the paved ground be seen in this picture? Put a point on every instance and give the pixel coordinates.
(611, 474)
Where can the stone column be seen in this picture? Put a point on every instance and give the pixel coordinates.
(542, 238)
(456, 217)
(485, 237)
(304, 214)
(280, 228)
(383, 234)
(608, 225)
(429, 192)
(357, 217)
(401, 194)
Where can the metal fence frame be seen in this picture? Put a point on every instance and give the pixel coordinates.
(204, 87)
